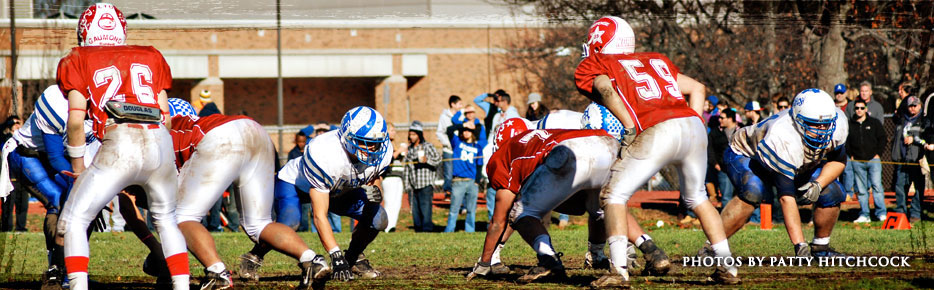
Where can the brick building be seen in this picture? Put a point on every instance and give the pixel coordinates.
(405, 64)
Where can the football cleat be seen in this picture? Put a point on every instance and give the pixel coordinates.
(362, 268)
(479, 269)
(213, 281)
(314, 273)
(723, 276)
(53, 278)
(656, 261)
(249, 267)
(802, 250)
(499, 269)
(825, 251)
(706, 251)
(610, 281)
(548, 265)
(592, 261)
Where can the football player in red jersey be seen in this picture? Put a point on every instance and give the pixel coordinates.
(123, 90)
(647, 93)
(211, 153)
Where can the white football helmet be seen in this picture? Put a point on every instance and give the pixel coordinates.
(599, 117)
(102, 24)
(610, 35)
(815, 117)
(364, 135)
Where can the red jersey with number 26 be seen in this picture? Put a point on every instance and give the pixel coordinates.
(646, 81)
(517, 159)
(127, 73)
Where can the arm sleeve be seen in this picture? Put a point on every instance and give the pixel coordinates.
(457, 119)
(55, 148)
(482, 136)
(586, 71)
(434, 158)
(443, 123)
(482, 104)
(450, 132)
(69, 74)
(316, 175)
(883, 139)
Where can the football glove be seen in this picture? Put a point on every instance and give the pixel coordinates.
(340, 267)
(373, 194)
(811, 191)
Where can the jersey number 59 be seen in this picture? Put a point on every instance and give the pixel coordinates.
(647, 86)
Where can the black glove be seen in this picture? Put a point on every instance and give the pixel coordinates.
(629, 136)
(373, 194)
(340, 267)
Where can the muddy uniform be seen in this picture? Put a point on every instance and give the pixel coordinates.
(214, 151)
(132, 152)
(772, 153)
(547, 167)
(668, 131)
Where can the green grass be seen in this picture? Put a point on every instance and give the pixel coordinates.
(412, 260)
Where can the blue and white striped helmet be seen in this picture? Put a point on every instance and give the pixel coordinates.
(179, 107)
(599, 117)
(815, 117)
(363, 134)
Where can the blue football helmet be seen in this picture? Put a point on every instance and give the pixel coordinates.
(179, 107)
(599, 117)
(815, 117)
(363, 134)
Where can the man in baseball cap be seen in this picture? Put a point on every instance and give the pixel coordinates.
(839, 92)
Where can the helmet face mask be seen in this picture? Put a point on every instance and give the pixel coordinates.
(815, 118)
(363, 135)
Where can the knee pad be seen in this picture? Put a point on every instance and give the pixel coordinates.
(831, 196)
(752, 189)
(380, 220)
(254, 229)
(694, 199)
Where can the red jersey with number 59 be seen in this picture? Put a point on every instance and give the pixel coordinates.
(127, 73)
(646, 82)
(517, 159)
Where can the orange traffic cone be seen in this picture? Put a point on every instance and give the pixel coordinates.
(897, 221)
(765, 216)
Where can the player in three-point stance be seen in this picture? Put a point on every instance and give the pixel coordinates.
(212, 152)
(645, 92)
(340, 170)
(122, 89)
(801, 153)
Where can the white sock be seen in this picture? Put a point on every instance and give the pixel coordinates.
(495, 259)
(78, 280)
(334, 250)
(641, 239)
(307, 256)
(821, 241)
(542, 245)
(217, 267)
(618, 256)
(180, 282)
(722, 249)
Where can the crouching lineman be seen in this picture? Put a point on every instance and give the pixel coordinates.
(800, 152)
(211, 153)
(123, 89)
(340, 170)
(646, 92)
(554, 169)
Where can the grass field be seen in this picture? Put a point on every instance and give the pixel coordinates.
(411, 260)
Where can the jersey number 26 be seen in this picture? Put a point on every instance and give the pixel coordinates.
(138, 74)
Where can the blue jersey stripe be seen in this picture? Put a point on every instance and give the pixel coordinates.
(49, 115)
(771, 158)
(318, 172)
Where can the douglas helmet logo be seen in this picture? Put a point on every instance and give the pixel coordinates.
(107, 22)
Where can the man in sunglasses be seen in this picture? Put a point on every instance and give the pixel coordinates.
(865, 144)
(908, 147)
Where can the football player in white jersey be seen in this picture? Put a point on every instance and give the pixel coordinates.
(799, 151)
(341, 171)
(36, 153)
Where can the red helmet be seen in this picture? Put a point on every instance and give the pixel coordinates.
(610, 35)
(102, 24)
(510, 128)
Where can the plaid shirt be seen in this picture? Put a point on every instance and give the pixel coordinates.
(419, 175)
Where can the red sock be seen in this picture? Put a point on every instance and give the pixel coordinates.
(178, 264)
(74, 264)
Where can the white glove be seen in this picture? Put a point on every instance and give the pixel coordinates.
(811, 190)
